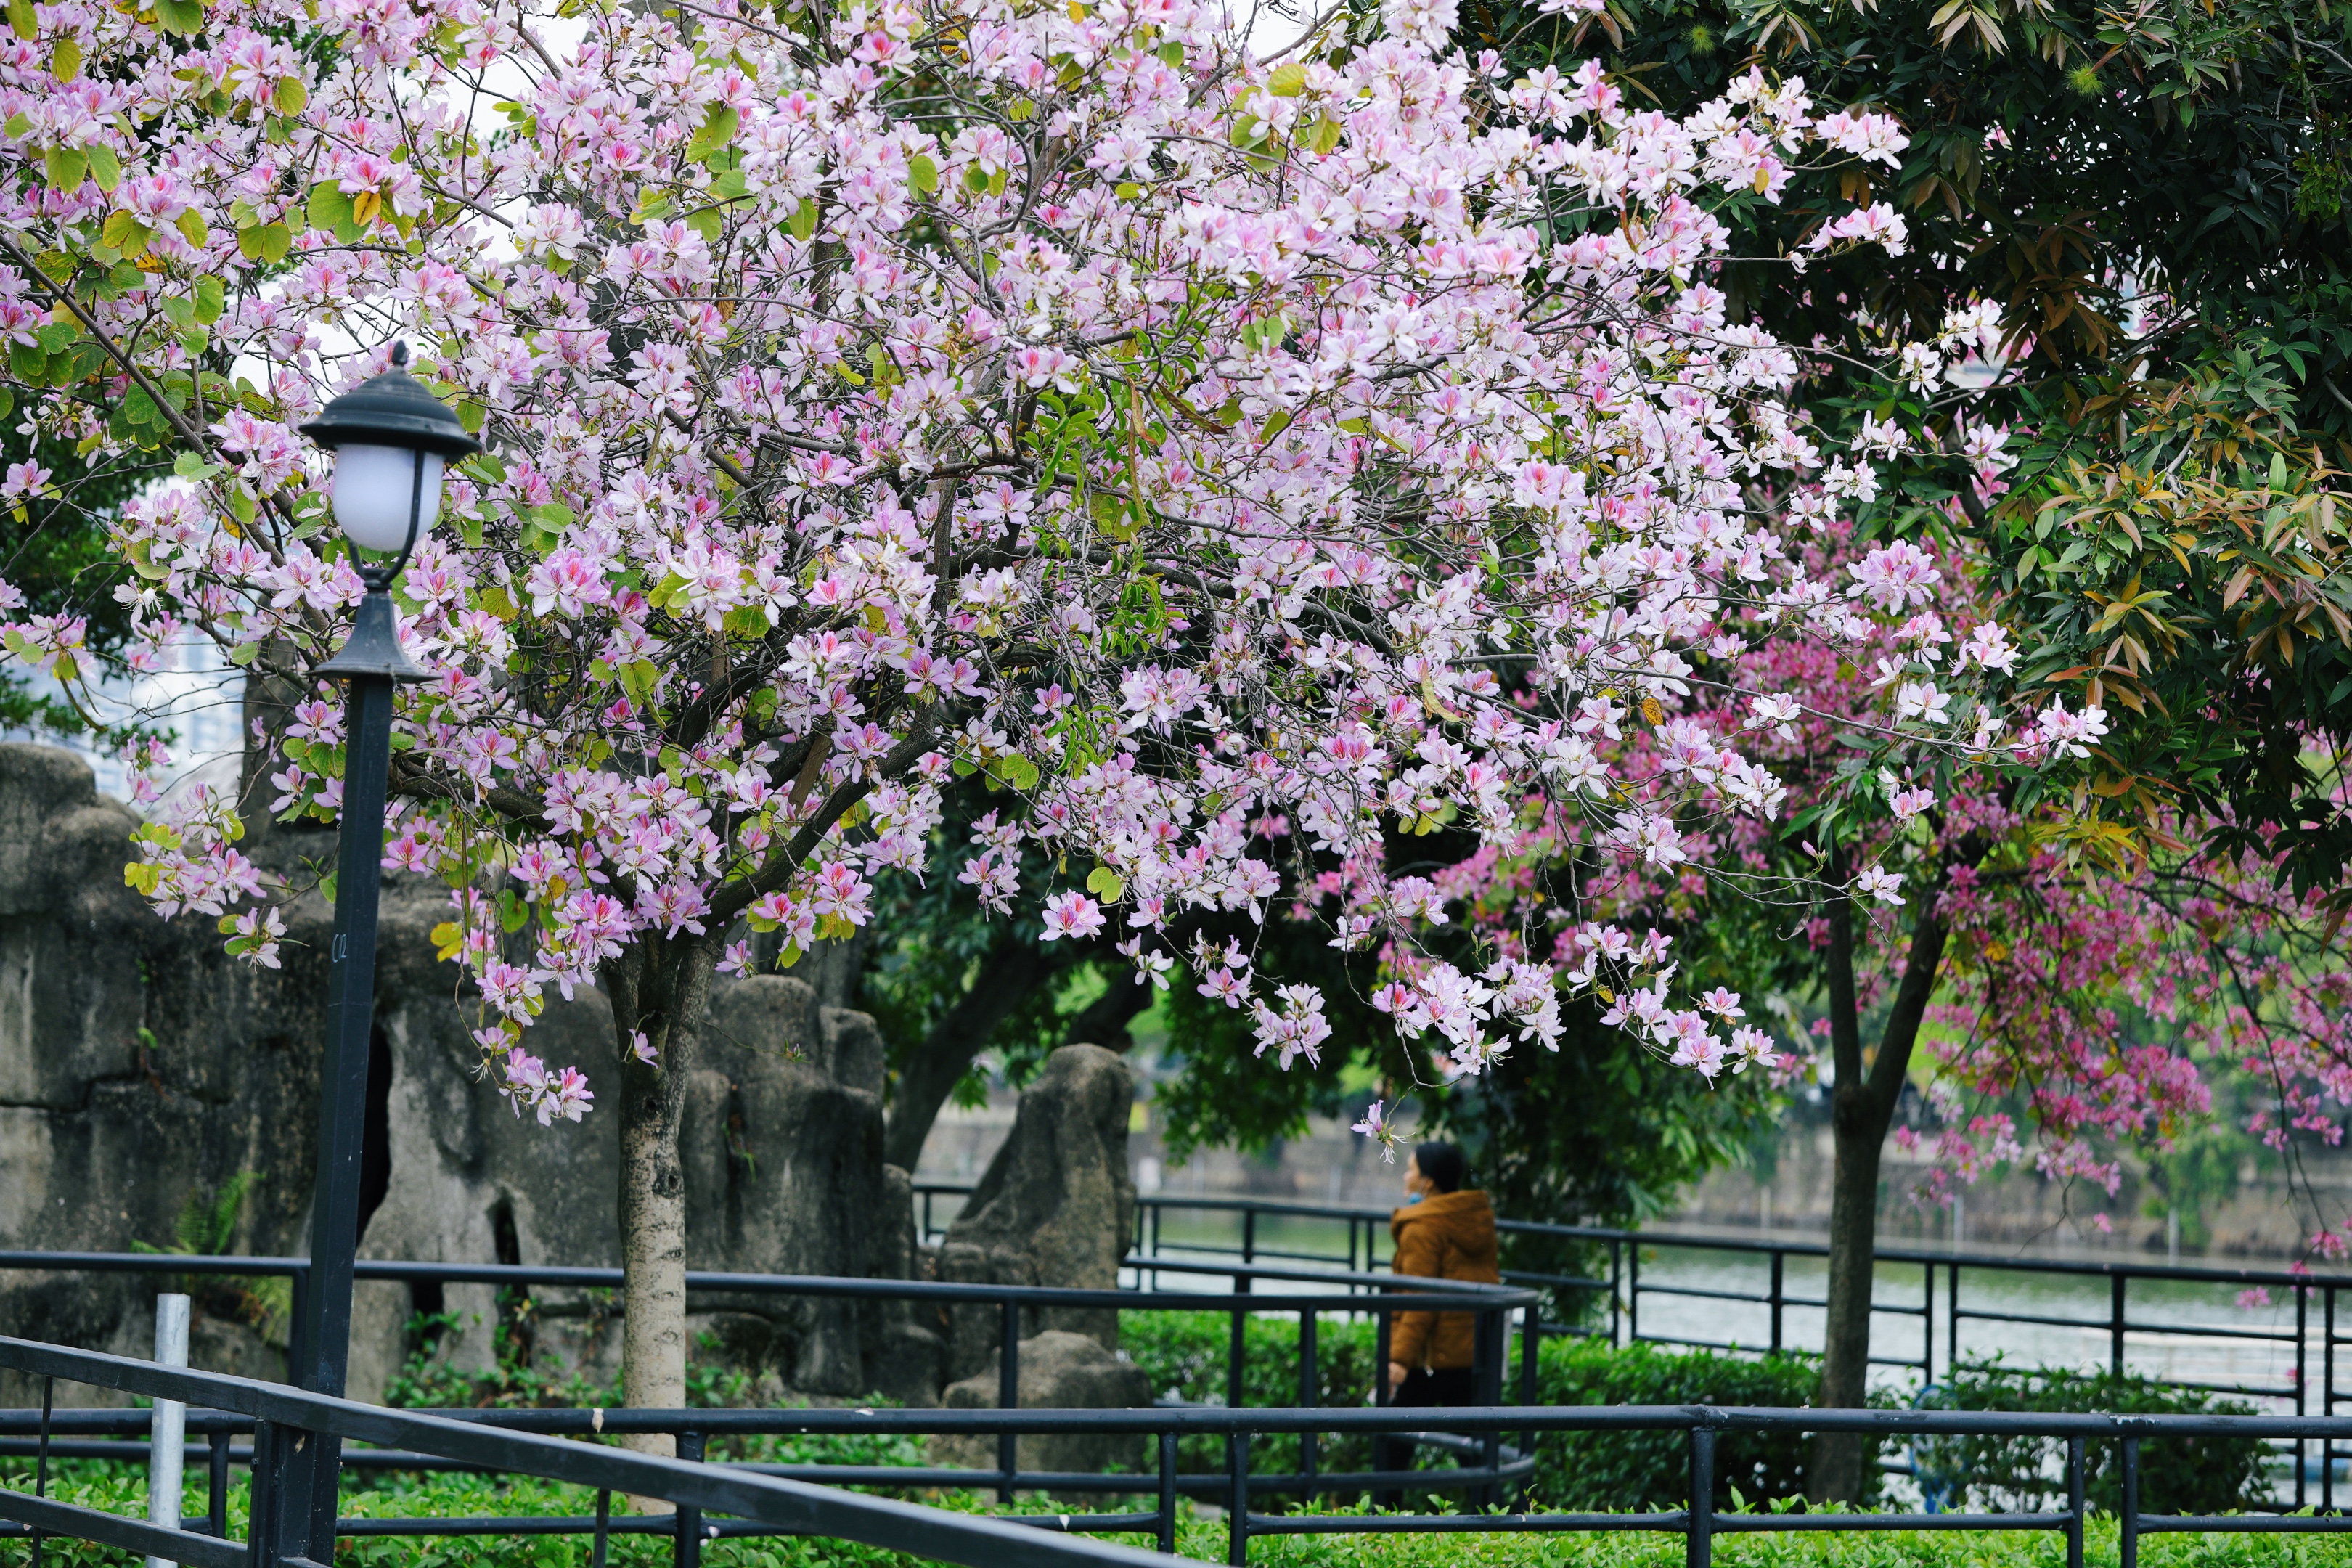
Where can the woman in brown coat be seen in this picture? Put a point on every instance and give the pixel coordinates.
(1442, 1233)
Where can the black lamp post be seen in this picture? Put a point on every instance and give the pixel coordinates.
(392, 438)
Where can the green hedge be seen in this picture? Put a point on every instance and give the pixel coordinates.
(1202, 1538)
(2178, 1474)
(1186, 1355)
(1582, 1470)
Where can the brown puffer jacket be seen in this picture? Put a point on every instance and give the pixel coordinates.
(1447, 1236)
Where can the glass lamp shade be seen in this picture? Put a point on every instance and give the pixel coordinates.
(373, 489)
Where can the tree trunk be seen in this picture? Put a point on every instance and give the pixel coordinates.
(1861, 1110)
(661, 989)
(1105, 1021)
(1853, 1241)
(931, 1071)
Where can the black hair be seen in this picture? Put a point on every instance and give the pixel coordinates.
(1441, 1163)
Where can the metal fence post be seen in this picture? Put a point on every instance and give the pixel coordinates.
(167, 1427)
(2328, 1397)
(596, 1553)
(1616, 1274)
(1167, 1522)
(41, 1466)
(1699, 1547)
(1310, 1394)
(2115, 1325)
(1632, 1292)
(686, 1548)
(262, 1496)
(2130, 1544)
(1249, 1235)
(1008, 1395)
(1237, 1501)
(2302, 1378)
(1382, 1325)
(1779, 1293)
(2073, 1502)
(1928, 1329)
(217, 1476)
(1530, 1388)
(1236, 1349)
(1952, 1315)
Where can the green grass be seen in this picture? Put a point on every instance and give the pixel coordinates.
(120, 1489)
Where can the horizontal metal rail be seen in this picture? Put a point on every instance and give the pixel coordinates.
(757, 1500)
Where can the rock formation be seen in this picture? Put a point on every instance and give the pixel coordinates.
(1058, 1370)
(1056, 1205)
(142, 1070)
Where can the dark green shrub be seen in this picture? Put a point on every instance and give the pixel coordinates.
(1593, 1470)
(2180, 1475)
(1186, 1355)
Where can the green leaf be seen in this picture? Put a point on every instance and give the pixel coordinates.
(28, 362)
(267, 245)
(803, 223)
(1106, 884)
(186, 17)
(211, 299)
(638, 678)
(104, 166)
(23, 21)
(65, 60)
(328, 207)
(1287, 82)
(125, 232)
(708, 222)
(191, 227)
(923, 174)
(291, 96)
(65, 167)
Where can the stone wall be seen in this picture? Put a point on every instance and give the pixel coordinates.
(140, 1068)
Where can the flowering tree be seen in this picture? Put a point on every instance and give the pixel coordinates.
(907, 391)
(2110, 1007)
(1845, 897)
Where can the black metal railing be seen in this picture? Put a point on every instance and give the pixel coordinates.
(1380, 1296)
(1615, 1299)
(284, 1419)
(726, 1499)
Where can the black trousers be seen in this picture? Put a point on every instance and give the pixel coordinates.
(1453, 1385)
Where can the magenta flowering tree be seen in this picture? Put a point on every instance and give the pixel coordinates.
(2109, 1003)
(874, 395)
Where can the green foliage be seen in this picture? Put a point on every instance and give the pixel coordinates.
(206, 1227)
(1580, 1470)
(2198, 1172)
(121, 1489)
(514, 1378)
(2153, 196)
(1186, 1354)
(2178, 1475)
